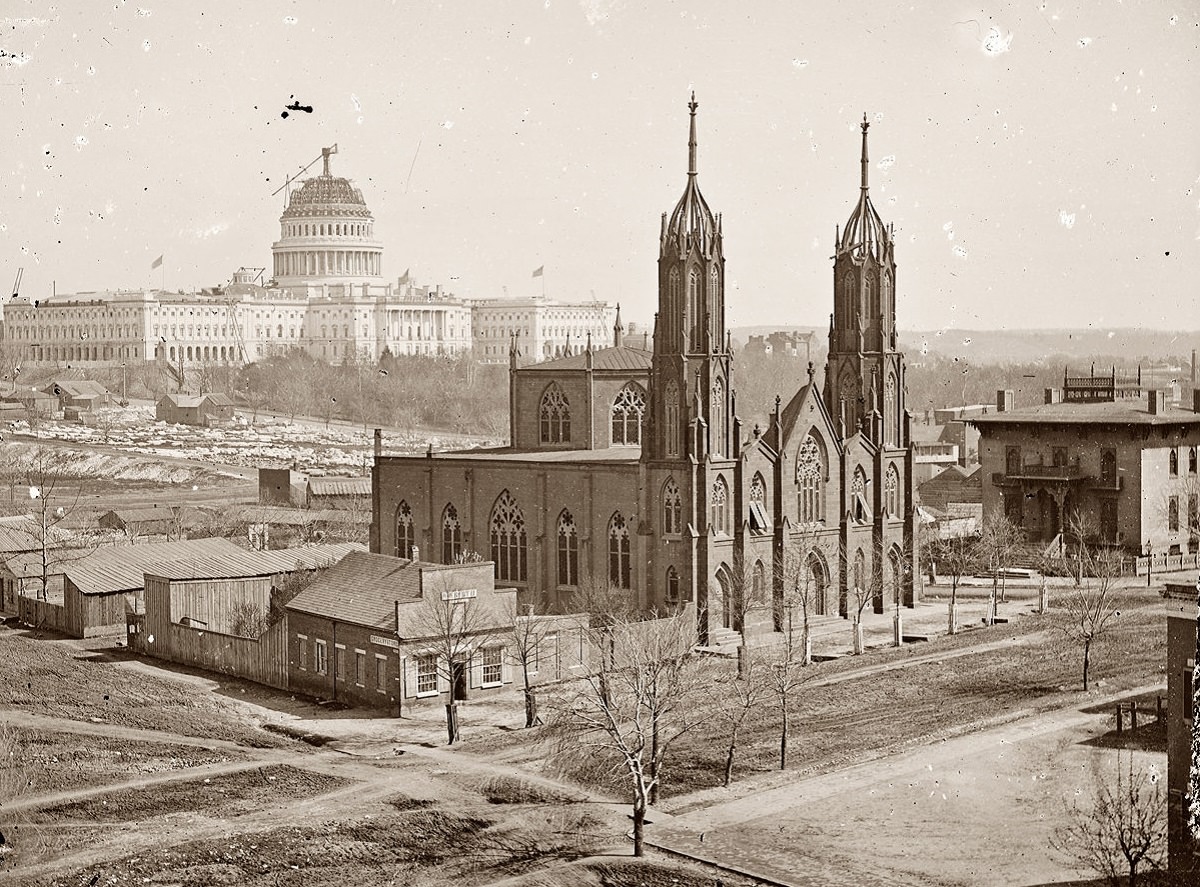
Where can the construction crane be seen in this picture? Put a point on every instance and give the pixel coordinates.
(21, 272)
(325, 154)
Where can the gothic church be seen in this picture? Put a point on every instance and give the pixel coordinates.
(629, 467)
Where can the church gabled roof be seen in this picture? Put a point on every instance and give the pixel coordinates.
(692, 223)
(619, 357)
(865, 233)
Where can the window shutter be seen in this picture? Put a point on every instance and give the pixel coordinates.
(410, 677)
(505, 667)
(476, 678)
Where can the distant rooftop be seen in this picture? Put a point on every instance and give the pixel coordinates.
(618, 357)
(1125, 412)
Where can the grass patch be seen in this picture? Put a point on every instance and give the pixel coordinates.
(227, 795)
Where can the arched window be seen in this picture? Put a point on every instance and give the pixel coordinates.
(673, 307)
(718, 417)
(815, 577)
(1192, 460)
(568, 550)
(849, 300)
(896, 569)
(758, 583)
(760, 521)
(619, 560)
(714, 300)
(872, 301)
(810, 478)
(672, 587)
(890, 419)
(671, 414)
(555, 416)
(858, 496)
(627, 410)
(451, 535)
(672, 508)
(1173, 514)
(891, 491)
(860, 569)
(508, 539)
(1173, 461)
(720, 506)
(694, 310)
(405, 539)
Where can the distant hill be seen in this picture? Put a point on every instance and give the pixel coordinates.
(1122, 346)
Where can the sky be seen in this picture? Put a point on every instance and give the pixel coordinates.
(1040, 161)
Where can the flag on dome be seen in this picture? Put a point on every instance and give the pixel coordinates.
(156, 263)
(537, 272)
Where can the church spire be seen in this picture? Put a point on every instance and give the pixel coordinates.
(865, 127)
(692, 106)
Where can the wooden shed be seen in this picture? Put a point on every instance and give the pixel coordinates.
(217, 614)
(99, 589)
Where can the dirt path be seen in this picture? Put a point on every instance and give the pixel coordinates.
(802, 831)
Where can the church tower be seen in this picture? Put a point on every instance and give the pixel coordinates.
(864, 384)
(690, 394)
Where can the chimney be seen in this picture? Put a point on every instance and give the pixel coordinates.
(1005, 400)
(1156, 401)
(1193, 369)
(378, 443)
(1053, 395)
(416, 553)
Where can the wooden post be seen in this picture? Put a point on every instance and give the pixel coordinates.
(1120, 724)
(1158, 709)
(1133, 715)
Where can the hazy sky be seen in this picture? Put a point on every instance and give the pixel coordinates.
(1040, 161)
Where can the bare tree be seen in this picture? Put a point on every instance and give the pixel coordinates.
(1091, 605)
(785, 673)
(247, 619)
(806, 555)
(1123, 831)
(747, 592)
(955, 557)
(736, 699)
(866, 584)
(54, 495)
(456, 627)
(999, 539)
(524, 637)
(620, 730)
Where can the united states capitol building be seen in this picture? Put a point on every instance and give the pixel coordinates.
(325, 294)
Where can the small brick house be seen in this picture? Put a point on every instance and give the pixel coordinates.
(366, 633)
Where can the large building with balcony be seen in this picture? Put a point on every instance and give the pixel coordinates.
(1125, 463)
(630, 470)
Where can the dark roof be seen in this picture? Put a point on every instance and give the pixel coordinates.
(84, 388)
(1124, 412)
(621, 455)
(182, 400)
(147, 515)
(362, 589)
(218, 399)
(257, 563)
(301, 517)
(339, 486)
(619, 357)
(123, 567)
(23, 533)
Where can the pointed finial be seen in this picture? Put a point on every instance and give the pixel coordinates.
(692, 106)
(865, 126)
(618, 328)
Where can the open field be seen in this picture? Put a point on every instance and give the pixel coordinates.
(190, 797)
